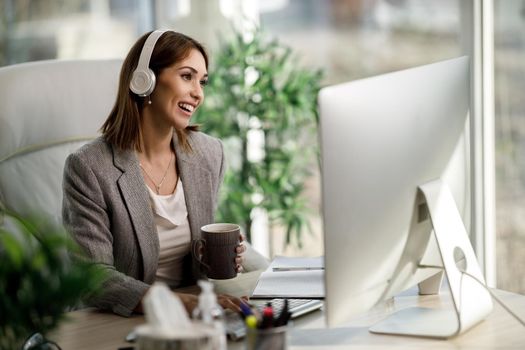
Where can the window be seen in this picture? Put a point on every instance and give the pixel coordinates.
(39, 30)
(352, 39)
(509, 76)
(349, 39)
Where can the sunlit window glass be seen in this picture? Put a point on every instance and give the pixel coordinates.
(509, 76)
(73, 29)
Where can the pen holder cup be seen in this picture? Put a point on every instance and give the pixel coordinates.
(266, 339)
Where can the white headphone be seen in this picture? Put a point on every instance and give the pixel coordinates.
(143, 79)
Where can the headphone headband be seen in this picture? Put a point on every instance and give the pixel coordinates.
(147, 49)
(143, 79)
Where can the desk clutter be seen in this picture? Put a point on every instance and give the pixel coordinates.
(266, 329)
(236, 325)
(267, 317)
(168, 326)
(264, 326)
(261, 322)
(267, 339)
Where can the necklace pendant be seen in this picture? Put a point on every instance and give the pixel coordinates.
(157, 187)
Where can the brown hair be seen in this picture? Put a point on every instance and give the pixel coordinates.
(122, 126)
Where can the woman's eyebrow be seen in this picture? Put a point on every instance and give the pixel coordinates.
(193, 70)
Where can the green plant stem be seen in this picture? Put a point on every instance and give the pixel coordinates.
(245, 174)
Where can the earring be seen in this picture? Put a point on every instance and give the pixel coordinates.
(149, 100)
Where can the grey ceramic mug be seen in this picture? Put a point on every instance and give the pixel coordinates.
(218, 245)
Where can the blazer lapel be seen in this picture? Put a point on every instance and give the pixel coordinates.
(196, 181)
(136, 198)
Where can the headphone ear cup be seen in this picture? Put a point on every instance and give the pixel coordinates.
(142, 82)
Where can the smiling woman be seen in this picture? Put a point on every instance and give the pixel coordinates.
(136, 197)
(178, 92)
(168, 57)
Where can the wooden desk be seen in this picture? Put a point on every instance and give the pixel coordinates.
(499, 331)
(90, 329)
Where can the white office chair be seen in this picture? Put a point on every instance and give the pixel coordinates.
(47, 110)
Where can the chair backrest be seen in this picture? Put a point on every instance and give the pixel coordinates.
(47, 110)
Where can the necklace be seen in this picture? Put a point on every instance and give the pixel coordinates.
(157, 187)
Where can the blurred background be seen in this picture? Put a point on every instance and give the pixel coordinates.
(346, 39)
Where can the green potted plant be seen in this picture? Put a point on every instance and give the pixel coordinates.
(259, 99)
(38, 279)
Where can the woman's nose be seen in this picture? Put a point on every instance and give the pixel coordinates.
(197, 92)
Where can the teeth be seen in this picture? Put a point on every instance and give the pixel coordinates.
(186, 106)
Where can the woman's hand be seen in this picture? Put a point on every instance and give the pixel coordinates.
(191, 301)
(240, 249)
(230, 302)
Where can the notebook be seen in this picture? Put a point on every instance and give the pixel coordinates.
(292, 278)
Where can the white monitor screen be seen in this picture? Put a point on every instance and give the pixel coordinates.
(381, 138)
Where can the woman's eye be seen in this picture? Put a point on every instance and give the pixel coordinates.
(204, 82)
(186, 76)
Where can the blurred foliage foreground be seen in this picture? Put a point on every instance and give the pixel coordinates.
(264, 107)
(39, 280)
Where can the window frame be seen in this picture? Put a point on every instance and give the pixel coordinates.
(478, 43)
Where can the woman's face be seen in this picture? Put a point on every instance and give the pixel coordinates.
(179, 91)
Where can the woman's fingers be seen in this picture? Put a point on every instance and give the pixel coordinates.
(229, 302)
(226, 301)
(189, 301)
(240, 249)
(238, 262)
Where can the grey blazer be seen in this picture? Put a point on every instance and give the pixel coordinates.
(106, 209)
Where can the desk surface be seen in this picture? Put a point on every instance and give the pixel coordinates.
(91, 329)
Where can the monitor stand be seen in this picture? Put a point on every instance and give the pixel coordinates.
(471, 301)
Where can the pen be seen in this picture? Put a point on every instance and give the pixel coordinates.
(245, 310)
(267, 317)
(282, 319)
(251, 321)
(296, 268)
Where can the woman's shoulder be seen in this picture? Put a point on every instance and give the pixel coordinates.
(201, 138)
(206, 149)
(96, 151)
(204, 142)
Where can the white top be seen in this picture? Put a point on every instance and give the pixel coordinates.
(171, 218)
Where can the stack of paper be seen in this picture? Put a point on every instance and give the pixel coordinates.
(288, 277)
(283, 263)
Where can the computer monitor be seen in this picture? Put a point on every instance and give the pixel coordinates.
(390, 220)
